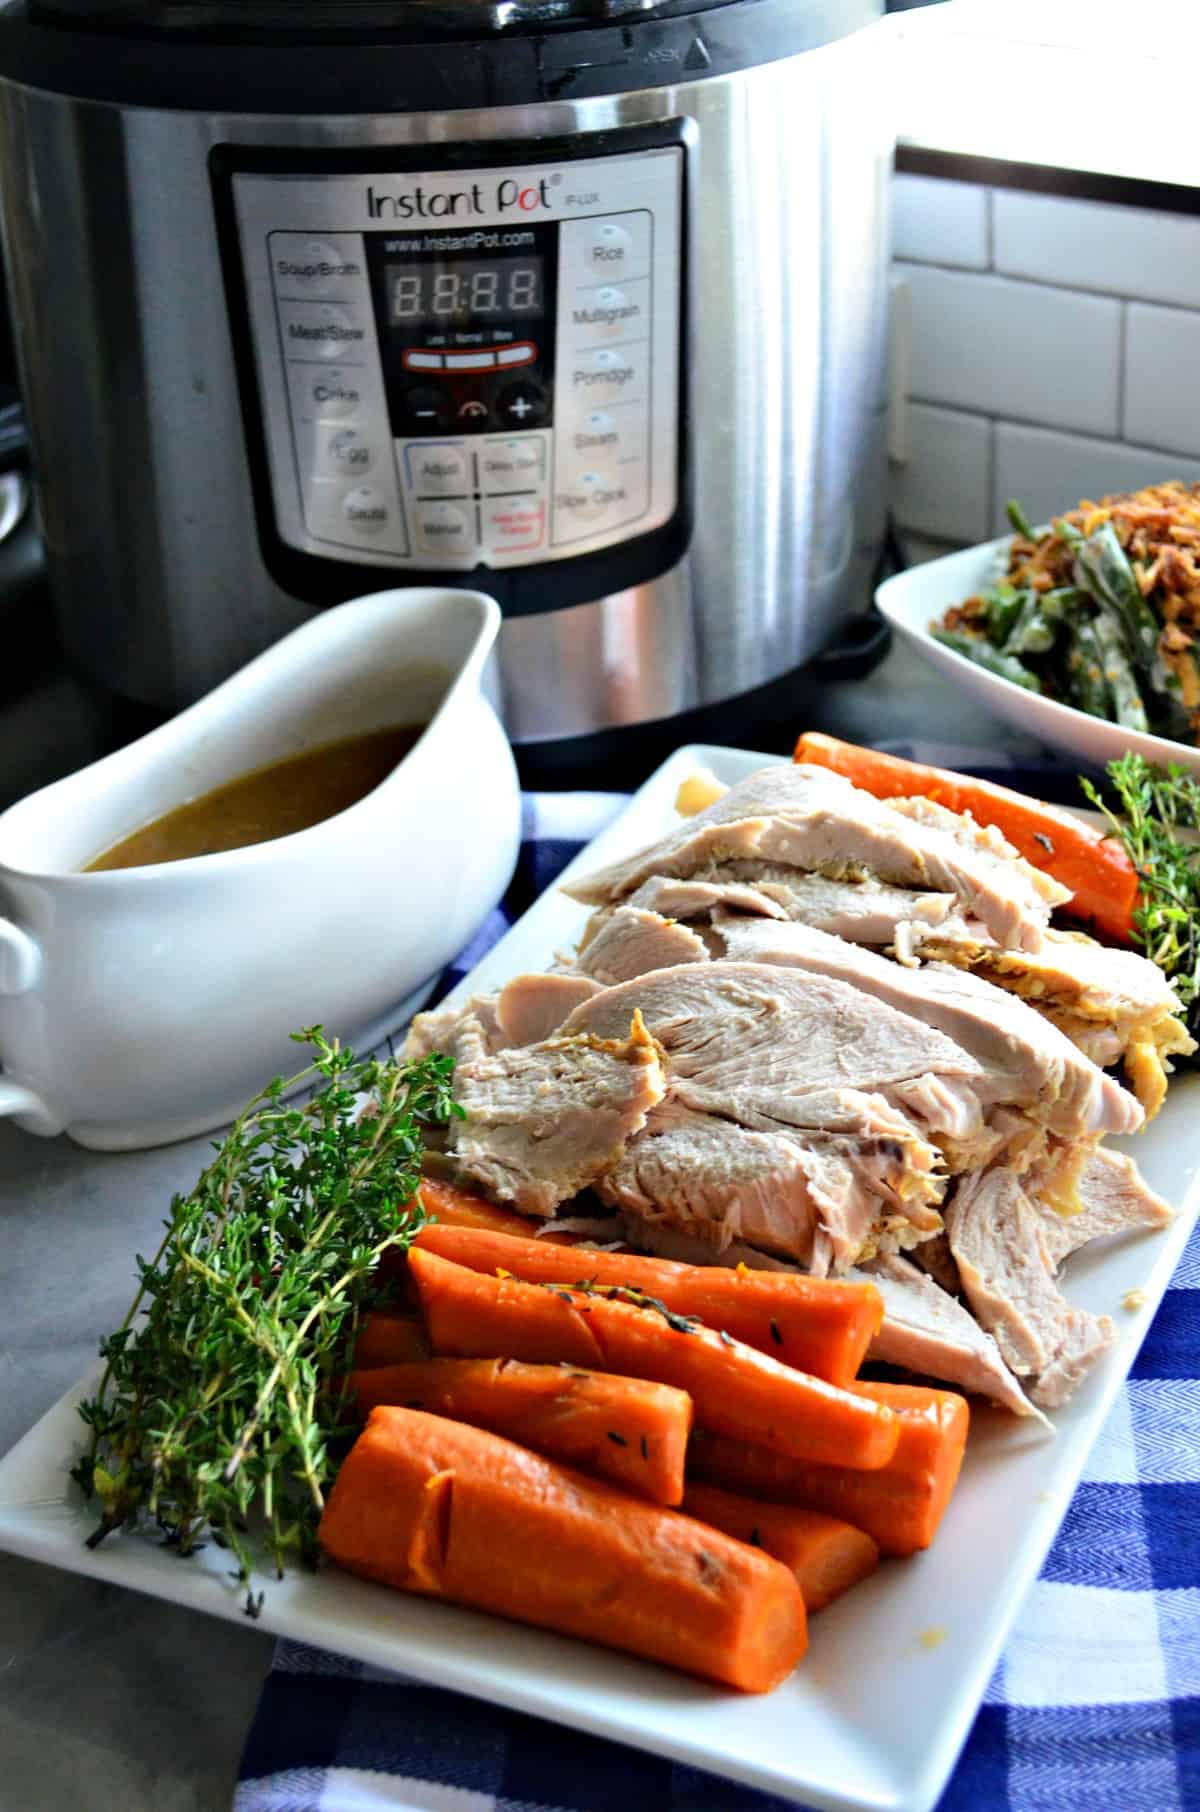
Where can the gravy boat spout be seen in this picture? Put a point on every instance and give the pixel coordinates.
(141, 1005)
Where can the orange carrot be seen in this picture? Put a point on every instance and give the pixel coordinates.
(734, 1388)
(623, 1428)
(388, 1337)
(817, 1324)
(900, 1505)
(435, 1507)
(827, 1556)
(453, 1207)
(1094, 866)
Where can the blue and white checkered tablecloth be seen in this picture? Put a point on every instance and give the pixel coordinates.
(1096, 1703)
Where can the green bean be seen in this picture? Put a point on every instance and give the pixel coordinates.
(1034, 630)
(1004, 604)
(1127, 705)
(1102, 569)
(1004, 666)
(1085, 674)
(1019, 519)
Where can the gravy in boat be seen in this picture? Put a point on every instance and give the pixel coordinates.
(268, 802)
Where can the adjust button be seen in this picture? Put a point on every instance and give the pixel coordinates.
(438, 468)
(444, 529)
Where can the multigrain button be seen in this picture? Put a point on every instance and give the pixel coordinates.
(610, 311)
(367, 510)
(444, 528)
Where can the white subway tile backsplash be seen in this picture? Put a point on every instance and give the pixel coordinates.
(1015, 349)
(1162, 378)
(1124, 251)
(1048, 473)
(937, 222)
(942, 489)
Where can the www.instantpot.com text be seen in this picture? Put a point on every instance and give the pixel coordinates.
(460, 242)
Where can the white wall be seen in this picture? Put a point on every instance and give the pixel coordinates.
(1054, 355)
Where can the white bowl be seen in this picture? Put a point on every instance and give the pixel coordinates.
(142, 1005)
(912, 600)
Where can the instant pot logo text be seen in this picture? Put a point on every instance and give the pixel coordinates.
(507, 196)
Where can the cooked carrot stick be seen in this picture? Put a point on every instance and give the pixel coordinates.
(1101, 876)
(626, 1429)
(827, 1556)
(435, 1507)
(389, 1337)
(734, 1388)
(900, 1505)
(819, 1325)
(453, 1207)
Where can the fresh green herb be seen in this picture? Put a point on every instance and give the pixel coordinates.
(1152, 806)
(638, 1299)
(220, 1394)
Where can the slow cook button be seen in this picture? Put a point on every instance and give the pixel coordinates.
(513, 525)
(324, 330)
(304, 266)
(608, 373)
(511, 465)
(438, 468)
(444, 528)
(367, 510)
(595, 501)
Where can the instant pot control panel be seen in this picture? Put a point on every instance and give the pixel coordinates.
(464, 368)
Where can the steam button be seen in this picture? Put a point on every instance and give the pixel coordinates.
(368, 511)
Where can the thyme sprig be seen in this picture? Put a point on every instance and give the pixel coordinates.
(1152, 806)
(221, 1397)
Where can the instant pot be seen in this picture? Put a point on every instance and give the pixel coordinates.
(581, 303)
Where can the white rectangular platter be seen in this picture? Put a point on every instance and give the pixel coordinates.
(874, 1718)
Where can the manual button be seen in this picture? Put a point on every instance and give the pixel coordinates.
(444, 529)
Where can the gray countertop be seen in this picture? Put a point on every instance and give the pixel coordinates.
(108, 1699)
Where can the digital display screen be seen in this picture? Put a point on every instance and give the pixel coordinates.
(469, 290)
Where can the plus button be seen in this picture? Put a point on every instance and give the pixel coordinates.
(522, 404)
(520, 408)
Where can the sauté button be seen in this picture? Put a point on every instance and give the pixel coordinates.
(367, 510)
(521, 404)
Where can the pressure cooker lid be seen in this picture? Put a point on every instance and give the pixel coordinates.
(305, 18)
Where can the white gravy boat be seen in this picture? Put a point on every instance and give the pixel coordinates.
(142, 1005)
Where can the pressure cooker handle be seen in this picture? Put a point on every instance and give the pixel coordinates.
(863, 645)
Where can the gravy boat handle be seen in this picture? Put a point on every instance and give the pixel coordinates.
(20, 968)
(16, 1099)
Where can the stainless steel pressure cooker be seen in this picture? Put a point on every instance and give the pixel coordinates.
(578, 302)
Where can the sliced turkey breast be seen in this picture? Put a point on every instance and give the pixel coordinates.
(1008, 1278)
(632, 940)
(546, 1120)
(1114, 1004)
(866, 911)
(816, 1195)
(1025, 1061)
(532, 1007)
(811, 819)
(1114, 1197)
